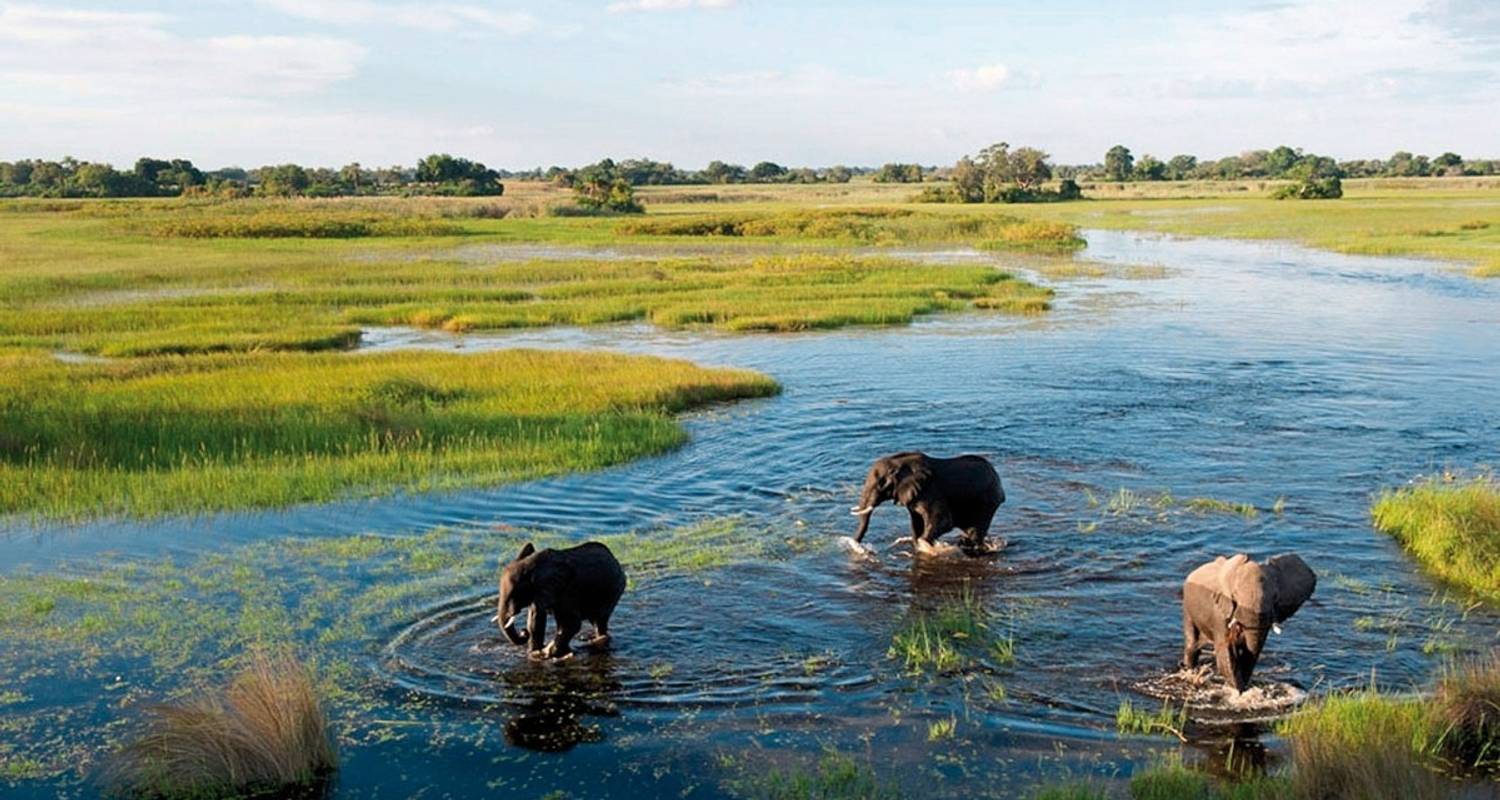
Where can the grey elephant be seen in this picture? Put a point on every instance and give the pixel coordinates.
(576, 584)
(1233, 603)
(940, 494)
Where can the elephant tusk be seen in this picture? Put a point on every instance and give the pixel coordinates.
(1276, 629)
(859, 512)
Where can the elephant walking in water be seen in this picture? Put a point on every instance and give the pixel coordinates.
(573, 585)
(940, 494)
(1233, 603)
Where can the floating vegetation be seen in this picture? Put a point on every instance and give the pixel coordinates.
(943, 729)
(1127, 503)
(1166, 720)
(959, 635)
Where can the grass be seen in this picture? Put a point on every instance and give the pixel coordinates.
(157, 435)
(1451, 220)
(266, 734)
(1451, 526)
(835, 776)
(1166, 720)
(874, 226)
(1465, 714)
(1363, 745)
(959, 635)
(68, 284)
(942, 730)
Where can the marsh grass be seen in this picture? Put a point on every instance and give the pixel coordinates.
(1363, 746)
(265, 735)
(1167, 720)
(1171, 779)
(959, 635)
(165, 435)
(835, 776)
(942, 729)
(1451, 526)
(875, 225)
(1465, 714)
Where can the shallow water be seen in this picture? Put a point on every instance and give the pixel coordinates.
(1259, 373)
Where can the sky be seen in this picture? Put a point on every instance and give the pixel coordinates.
(523, 83)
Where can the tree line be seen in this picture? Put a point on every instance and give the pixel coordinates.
(994, 174)
(437, 174)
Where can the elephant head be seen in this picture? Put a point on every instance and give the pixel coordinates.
(901, 477)
(533, 579)
(1252, 599)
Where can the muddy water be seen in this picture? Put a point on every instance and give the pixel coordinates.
(1296, 381)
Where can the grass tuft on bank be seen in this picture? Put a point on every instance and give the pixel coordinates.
(266, 735)
(153, 436)
(1451, 526)
(873, 226)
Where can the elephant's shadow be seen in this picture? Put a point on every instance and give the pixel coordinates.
(556, 700)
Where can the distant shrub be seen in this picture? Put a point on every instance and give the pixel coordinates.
(266, 735)
(1330, 188)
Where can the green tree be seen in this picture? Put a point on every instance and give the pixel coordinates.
(1118, 163)
(967, 181)
(1181, 167)
(838, 174)
(720, 172)
(1029, 168)
(1149, 168)
(285, 180)
(1280, 161)
(767, 172)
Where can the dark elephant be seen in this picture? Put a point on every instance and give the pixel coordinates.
(940, 494)
(573, 585)
(1233, 603)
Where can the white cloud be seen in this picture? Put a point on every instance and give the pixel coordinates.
(980, 79)
(67, 54)
(665, 5)
(436, 17)
(806, 81)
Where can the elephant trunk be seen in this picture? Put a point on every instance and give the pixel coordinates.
(507, 619)
(868, 500)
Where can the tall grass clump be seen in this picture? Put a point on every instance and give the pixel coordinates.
(298, 224)
(265, 735)
(836, 776)
(1465, 714)
(1452, 526)
(959, 634)
(876, 226)
(1363, 746)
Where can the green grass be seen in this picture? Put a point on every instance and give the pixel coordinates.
(874, 226)
(959, 635)
(942, 730)
(1363, 745)
(1448, 220)
(835, 776)
(1166, 720)
(157, 435)
(78, 283)
(1452, 527)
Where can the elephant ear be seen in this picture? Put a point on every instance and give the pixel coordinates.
(526, 551)
(1294, 582)
(550, 578)
(911, 481)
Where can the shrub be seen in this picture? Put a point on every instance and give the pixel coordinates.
(265, 734)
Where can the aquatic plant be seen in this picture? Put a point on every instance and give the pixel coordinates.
(942, 729)
(959, 634)
(266, 734)
(836, 776)
(1068, 791)
(1451, 525)
(1167, 720)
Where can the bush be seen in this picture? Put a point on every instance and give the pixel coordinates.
(1466, 713)
(266, 734)
(1330, 188)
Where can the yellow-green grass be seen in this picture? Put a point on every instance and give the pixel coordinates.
(66, 283)
(959, 635)
(1363, 745)
(835, 776)
(1431, 220)
(156, 435)
(881, 225)
(1166, 720)
(1451, 526)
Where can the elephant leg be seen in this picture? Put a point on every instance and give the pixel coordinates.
(567, 627)
(536, 630)
(1189, 642)
(1222, 661)
(918, 525)
(601, 630)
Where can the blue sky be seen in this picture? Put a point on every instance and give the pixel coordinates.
(521, 83)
